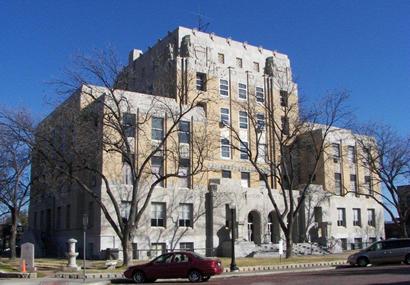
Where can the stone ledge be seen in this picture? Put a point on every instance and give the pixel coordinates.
(18, 275)
(288, 266)
(96, 275)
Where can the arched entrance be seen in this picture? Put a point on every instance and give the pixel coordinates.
(273, 228)
(254, 227)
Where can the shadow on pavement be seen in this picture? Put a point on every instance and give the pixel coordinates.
(127, 281)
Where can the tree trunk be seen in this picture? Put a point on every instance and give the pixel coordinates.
(126, 243)
(289, 245)
(403, 229)
(13, 233)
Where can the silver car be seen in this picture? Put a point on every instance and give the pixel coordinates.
(386, 251)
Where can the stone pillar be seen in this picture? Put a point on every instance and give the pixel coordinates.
(72, 256)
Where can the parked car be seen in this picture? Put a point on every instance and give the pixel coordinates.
(386, 251)
(189, 265)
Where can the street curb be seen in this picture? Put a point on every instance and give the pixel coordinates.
(18, 275)
(245, 269)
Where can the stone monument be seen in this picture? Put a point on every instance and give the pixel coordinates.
(72, 256)
(27, 257)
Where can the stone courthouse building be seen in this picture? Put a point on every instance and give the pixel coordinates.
(193, 213)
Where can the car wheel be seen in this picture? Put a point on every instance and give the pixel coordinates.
(407, 259)
(362, 262)
(194, 276)
(206, 278)
(138, 277)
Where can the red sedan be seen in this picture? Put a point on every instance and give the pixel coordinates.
(175, 265)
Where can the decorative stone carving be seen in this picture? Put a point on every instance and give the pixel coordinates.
(171, 51)
(186, 47)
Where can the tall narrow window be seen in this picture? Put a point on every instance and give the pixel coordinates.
(185, 215)
(221, 58)
(184, 173)
(125, 208)
(223, 88)
(338, 184)
(200, 81)
(336, 152)
(158, 214)
(184, 132)
(157, 132)
(353, 184)
(256, 66)
(260, 121)
(126, 173)
(260, 95)
(225, 148)
(128, 121)
(244, 150)
(368, 185)
(284, 98)
(341, 217)
(242, 91)
(371, 219)
(262, 152)
(285, 125)
(239, 62)
(157, 168)
(356, 218)
(243, 120)
(351, 154)
(245, 179)
(68, 217)
(225, 116)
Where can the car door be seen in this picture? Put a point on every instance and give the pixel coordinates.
(159, 267)
(375, 253)
(180, 265)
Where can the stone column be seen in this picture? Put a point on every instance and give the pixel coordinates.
(72, 255)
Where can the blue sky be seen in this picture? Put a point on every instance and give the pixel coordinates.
(360, 46)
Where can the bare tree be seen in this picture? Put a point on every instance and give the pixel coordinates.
(387, 155)
(279, 131)
(15, 160)
(159, 140)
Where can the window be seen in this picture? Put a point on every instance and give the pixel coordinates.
(368, 185)
(358, 243)
(125, 208)
(226, 174)
(242, 91)
(341, 217)
(185, 215)
(285, 125)
(184, 132)
(338, 184)
(262, 152)
(353, 184)
(371, 221)
(200, 81)
(158, 214)
(68, 217)
(243, 120)
(90, 214)
(256, 66)
(159, 249)
(284, 98)
(225, 116)
(157, 168)
(225, 148)
(244, 150)
(128, 122)
(344, 243)
(260, 121)
(126, 173)
(58, 220)
(135, 254)
(336, 152)
(239, 62)
(245, 179)
(260, 95)
(351, 154)
(356, 218)
(184, 165)
(223, 88)
(186, 246)
(180, 258)
(221, 58)
(157, 132)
